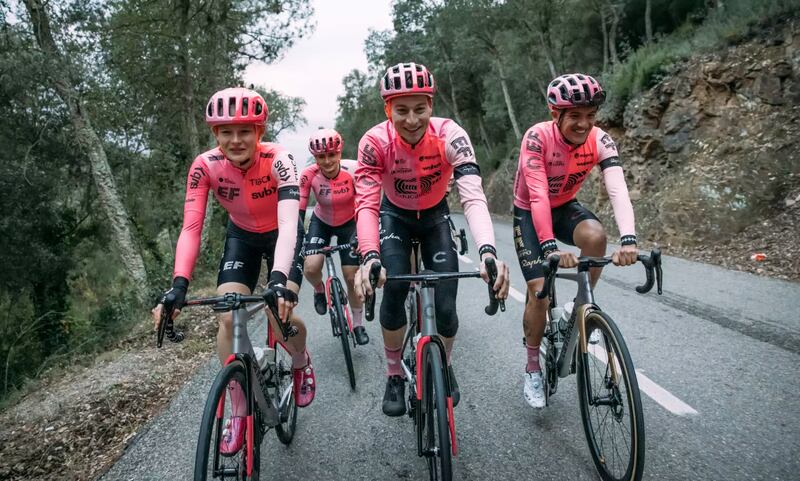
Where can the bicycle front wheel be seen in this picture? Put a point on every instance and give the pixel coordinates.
(218, 422)
(337, 293)
(611, 408)
(434, 421)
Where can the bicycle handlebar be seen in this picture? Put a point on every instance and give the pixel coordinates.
(651, 263)
(224, 303)
(428, 276)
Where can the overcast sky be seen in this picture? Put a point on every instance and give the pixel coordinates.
(315, 66)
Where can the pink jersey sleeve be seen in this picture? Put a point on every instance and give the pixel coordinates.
(532, 169)
(368, 193)
(305, 186)
(194, 212)
(285, 170)
(467, 175)
(617, 189)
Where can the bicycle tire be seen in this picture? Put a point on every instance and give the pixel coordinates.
(344, 328)
(234, 467)
(433, 417)
(283, 380)
(613, 347)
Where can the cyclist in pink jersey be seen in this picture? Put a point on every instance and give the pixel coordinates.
(256, 182)
(331, 180)
(555, 158)
(412, 156)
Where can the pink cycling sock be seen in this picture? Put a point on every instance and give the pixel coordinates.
(533, 359)
(238, 402)
(358, 314)
(300, 359)
(393, 367)
(319, 288)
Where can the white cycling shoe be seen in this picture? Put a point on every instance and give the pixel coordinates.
(534, 390)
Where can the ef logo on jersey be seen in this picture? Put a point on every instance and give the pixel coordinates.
(232, 265)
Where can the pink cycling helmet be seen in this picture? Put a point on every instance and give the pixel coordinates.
(407, 79)
(236, 105)
(325, 141)
(574, 90)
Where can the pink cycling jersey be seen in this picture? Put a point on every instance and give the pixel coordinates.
(416, 177)
(335, 197)
(260, 199)
(550, 173)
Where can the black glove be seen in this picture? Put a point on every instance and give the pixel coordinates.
(281, 290)
(176, 295)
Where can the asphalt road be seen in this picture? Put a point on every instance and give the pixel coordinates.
(717, 362)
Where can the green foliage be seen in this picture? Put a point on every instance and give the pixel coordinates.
(474, 47)
(144, 71)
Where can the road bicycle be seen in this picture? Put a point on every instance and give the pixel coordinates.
(268, 390)
(341, 323)
(424, 362)
(590, 344)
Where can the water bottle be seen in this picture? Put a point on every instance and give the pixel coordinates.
(563, 321)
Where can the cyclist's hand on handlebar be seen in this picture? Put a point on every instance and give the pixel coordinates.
(287, 300)
(176, 295)
(626, 255)
(361, 282)
(501, 285)
(568, 259)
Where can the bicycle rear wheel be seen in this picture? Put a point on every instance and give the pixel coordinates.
(433, 423)
(337, 294)
(210, 463)
(611, 408)
(282, 381)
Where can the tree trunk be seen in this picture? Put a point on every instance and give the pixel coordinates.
(546, 49)
(604, 26)
(648, 22)
(91, 144)
(509, 105)
(192, 139)
(612, 34)
(484, 135)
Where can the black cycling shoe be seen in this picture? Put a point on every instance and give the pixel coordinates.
(454, 393)
(394, 402)
(320, 303)
(361, 335)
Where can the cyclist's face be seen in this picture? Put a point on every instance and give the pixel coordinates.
(411, 115)
(576, 123)
(237, 142)
(328, 163)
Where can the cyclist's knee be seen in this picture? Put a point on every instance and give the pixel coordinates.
(535, 286)
(225, 321)
(312, 265)
(590, 234)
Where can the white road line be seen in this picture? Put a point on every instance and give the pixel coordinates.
(657, 393)
(516, 294)
(465, 259)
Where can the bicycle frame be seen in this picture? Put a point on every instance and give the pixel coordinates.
(330, 267)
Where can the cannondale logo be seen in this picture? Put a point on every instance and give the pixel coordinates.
(575, 179)
(426, 181)
(405, 186)
(439, 257)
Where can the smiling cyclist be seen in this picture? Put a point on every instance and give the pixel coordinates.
(411, 156)
(555, 158)
(331, 180)
(256, 182)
